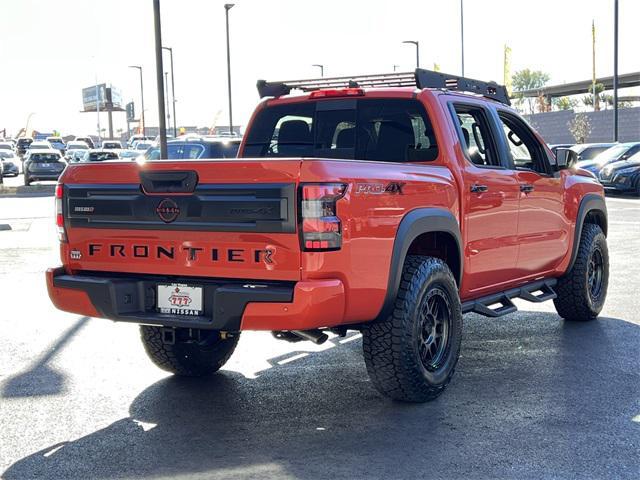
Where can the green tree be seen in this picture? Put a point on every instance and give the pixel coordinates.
(528, 79)
(564, 103)
(608, 99)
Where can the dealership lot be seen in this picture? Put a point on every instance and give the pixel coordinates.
(533, 396)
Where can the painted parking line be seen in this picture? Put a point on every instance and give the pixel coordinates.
(351, 338)
(293, 358)
(629, 201)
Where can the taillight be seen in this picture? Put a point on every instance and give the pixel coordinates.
(337, 92)
(320, 226)
(62, 234)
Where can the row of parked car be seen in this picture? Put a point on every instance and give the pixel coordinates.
(42, 160)
(615, 165)
(46, 159)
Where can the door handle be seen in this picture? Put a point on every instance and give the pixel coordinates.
(475, 188)
(526, 188)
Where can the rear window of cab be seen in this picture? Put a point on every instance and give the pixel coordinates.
(389, 130)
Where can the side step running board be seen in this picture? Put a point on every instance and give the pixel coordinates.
(499, 304)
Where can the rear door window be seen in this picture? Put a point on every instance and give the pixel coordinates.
(389, 130)
(474, 133)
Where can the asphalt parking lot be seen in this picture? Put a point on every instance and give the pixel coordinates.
(533, 396)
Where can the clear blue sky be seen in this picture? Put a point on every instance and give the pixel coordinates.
(50, 50)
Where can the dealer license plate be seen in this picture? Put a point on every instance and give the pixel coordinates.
(179, 299)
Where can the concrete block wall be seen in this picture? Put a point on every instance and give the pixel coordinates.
(554, 129)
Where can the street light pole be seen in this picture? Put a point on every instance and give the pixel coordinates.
(227, 7)
(417, 44)
(166, 94)
(160, 79)
(98, 110)
(173, 92)
(462, 33)
(615, 71)
(321, 67)
(144, 125)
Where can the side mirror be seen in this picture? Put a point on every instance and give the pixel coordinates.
(624, 157)
(565, 158)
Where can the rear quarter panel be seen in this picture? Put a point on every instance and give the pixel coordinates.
(370, 222)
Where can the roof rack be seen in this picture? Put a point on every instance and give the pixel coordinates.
(420, 78)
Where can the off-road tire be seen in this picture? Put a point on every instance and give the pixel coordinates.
(576, 300)
(187, 357)
(392, 348)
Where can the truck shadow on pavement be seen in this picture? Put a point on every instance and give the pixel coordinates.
(40, 379)
(532, 397)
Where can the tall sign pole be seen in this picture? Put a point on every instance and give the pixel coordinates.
(506, 81)
(462, 33)
(228, 7)
(596, 102)
(173, 92)
(160, 79)
(615, 70)
(98, 108)
(166, 94)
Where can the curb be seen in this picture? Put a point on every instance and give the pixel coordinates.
(27, 191)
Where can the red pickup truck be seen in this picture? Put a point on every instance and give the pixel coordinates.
(389, 204)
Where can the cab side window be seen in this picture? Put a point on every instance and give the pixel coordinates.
(526, 152)
(475, 136)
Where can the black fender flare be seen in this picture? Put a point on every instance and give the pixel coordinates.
(412, 225)
(589, 203)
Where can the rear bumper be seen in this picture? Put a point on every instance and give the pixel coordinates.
(618, 186)
(43, 176)
(10, 170)
(229, 305)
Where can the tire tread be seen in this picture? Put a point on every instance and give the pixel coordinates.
(392, 367)
(572, 302)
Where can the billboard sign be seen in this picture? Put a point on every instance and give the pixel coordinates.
(110, 97)
(91, 94)
(114, 97)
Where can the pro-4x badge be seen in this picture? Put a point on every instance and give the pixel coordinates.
(380, 188)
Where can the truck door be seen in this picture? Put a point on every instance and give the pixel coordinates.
(543, 227)
(490, 195)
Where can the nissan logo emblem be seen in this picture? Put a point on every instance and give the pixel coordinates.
(168, 210)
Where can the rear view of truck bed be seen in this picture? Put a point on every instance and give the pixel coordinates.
(197, 219)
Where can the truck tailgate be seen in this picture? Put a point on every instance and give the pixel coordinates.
(213, 218)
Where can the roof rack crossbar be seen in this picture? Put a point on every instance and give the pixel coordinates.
(430, 79)
(420, 78)
(404, 79)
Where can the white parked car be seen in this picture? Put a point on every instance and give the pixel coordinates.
(10, 163)
(75, 146)
(39, 146)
